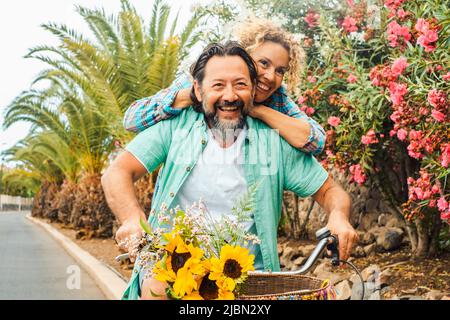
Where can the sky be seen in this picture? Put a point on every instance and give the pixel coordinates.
(20, 30)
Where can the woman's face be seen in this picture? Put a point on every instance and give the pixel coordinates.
(272, 60)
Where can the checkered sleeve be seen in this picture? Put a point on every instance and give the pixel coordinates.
(282, 102)
(147, 112)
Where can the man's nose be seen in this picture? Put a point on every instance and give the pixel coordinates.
(229, 94)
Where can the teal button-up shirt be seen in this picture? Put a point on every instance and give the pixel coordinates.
(268, 160)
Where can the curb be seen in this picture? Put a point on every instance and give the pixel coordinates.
(111, 284)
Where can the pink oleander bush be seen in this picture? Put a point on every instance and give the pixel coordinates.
(381, 91)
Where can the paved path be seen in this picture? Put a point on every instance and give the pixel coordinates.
(33, 266)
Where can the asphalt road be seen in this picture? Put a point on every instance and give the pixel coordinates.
(34, 267)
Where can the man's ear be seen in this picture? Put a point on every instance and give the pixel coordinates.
(197, 91)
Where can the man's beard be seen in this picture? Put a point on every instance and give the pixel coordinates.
(226, 130)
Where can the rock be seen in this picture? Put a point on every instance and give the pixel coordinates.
(307, 250)
(372, 205)
(369, 289)
(382, 219)
(395, 223)
(370, 249)
(390, 238)
(385, 277)
(446, 297)
(371, 273)
(280, 250)
(325, 271)
(434, 295)
(343, 290)
(299, 261)
(367, 238)
(369, 220)
(359, 252)
(375, 296)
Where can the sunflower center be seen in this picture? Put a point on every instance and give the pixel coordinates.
(178, 260)
(232, 269)
(208, 289)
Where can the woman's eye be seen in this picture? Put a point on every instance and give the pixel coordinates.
(264, 63)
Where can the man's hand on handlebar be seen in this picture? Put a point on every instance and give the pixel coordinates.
(347, 236)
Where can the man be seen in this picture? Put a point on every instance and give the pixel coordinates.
(188, 145)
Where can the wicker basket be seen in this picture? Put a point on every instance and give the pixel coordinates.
(266, 286)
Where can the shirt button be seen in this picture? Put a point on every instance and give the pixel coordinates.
(188, 169)
(172, 194)
(203, 142)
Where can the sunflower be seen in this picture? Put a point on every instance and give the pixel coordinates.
(182, 264)
(209, 290)
(232, 267)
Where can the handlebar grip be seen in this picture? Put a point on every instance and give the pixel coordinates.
(333, 246)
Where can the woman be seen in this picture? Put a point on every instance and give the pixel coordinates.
(277, 56)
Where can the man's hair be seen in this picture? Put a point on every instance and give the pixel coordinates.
(231, 48)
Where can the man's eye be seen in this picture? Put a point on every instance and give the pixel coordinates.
(242, 84)
(217, 85)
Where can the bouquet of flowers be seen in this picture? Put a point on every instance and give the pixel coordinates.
(197, 256)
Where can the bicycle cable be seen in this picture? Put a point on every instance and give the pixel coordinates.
(359, 275)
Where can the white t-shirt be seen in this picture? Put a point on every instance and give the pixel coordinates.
(218, 179)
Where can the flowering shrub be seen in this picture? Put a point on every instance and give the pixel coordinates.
(381, 91)
(198, 257)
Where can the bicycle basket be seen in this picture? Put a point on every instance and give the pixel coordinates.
(266, 286)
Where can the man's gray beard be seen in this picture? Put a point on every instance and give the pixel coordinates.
(225, 130)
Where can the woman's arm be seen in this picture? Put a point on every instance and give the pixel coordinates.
(299, 130)
(165, 104)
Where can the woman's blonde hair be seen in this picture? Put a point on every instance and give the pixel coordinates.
(254, 32)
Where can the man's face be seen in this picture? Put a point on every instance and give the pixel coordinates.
(226, 92)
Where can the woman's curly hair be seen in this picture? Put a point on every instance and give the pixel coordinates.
(254, 32)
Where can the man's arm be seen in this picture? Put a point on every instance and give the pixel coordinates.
(337, 203)
(305, 176)
(118, 185)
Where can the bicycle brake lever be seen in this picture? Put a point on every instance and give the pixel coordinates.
(333, 247)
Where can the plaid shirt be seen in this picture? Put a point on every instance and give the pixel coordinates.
(146, 112)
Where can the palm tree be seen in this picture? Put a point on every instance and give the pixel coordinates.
(78, 117)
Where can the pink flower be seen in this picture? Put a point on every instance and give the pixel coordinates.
(350, 3)
(428, 39)
(393, 4)
(301, 100)
(399, 66)
(369, 138)
(445, 215)
(397, 33)
(446, 76)
(308, 110)
(442, 204)
(357, 174)
(415, 135)
(334, 121)
(402, 13)
(312, 19)
(445, 155)
(437, 115)
(349, 24)
(437, 98)
(402, 134)
(397, 91)
(422, 25)
(312, 79)
(352, 78)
